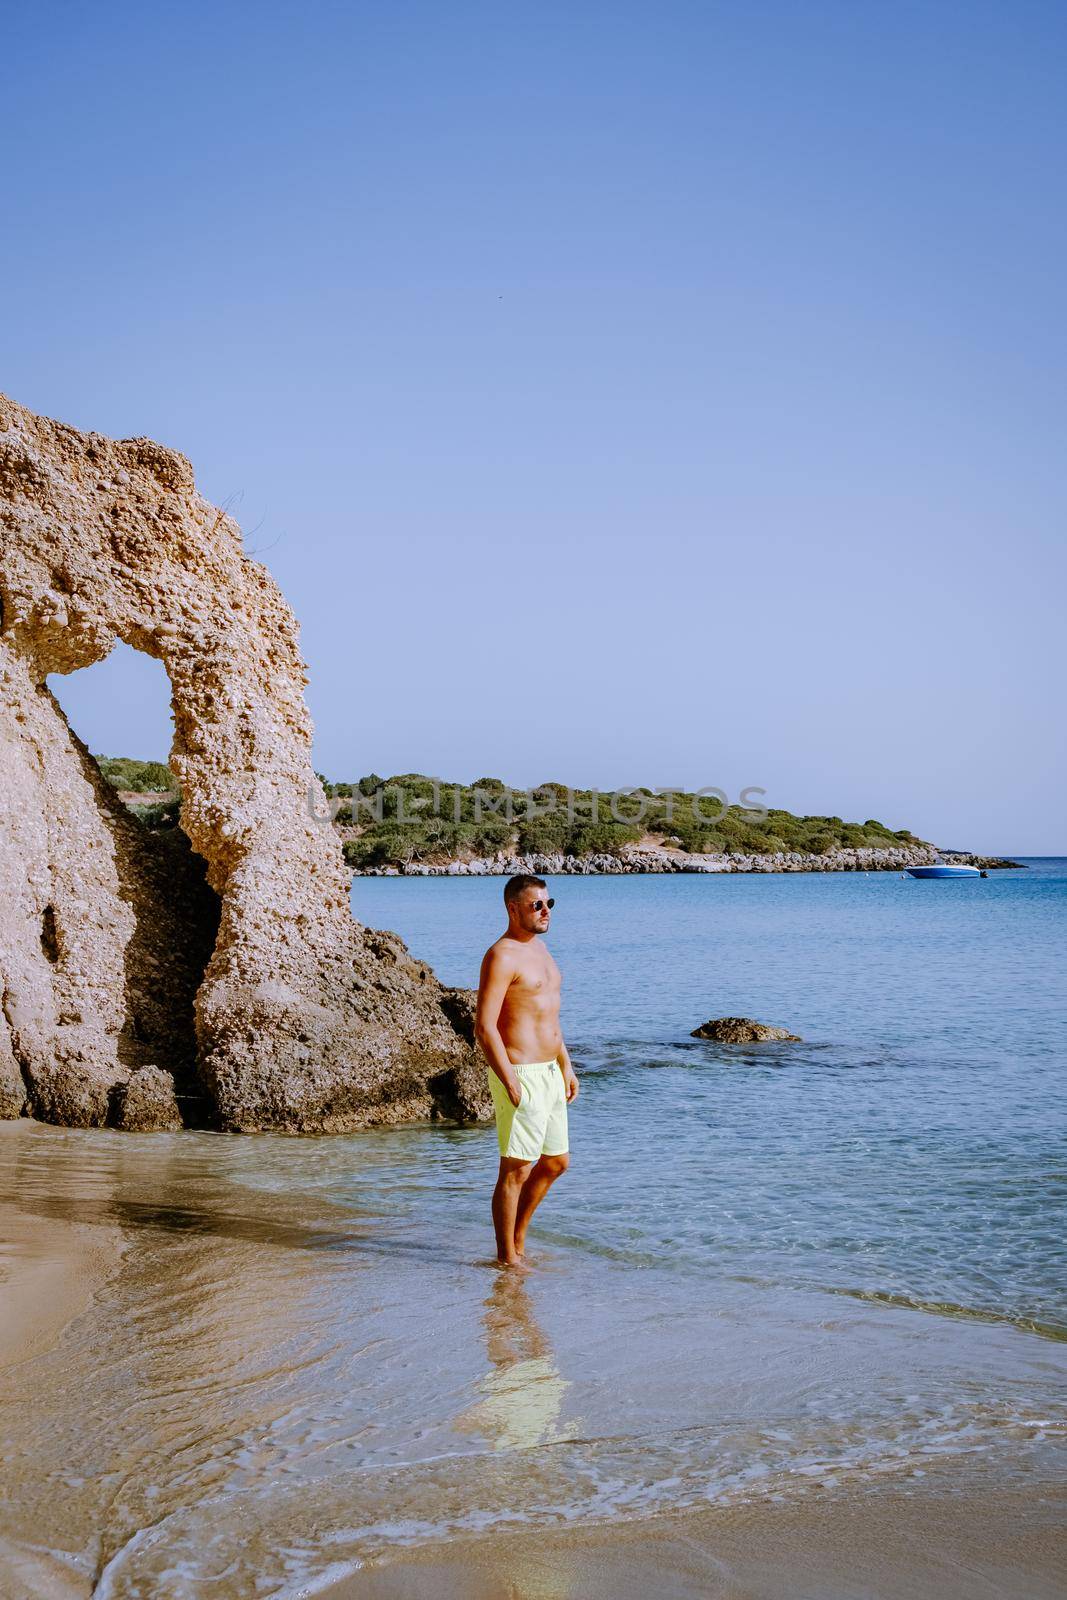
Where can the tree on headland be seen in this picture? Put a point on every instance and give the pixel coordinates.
(412, 818)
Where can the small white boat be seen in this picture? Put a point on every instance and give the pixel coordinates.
(944, 869)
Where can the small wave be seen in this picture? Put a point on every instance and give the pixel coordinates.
(951, 1308)
(258, 1541)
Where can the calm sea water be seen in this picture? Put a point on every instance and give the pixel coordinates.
(771, 1271)
(914, 1145)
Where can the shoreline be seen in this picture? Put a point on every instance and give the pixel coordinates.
(650, 859)
(945, 1537)
(50, 1273)
(320, 1389)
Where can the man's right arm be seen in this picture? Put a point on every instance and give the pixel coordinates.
(496, 976)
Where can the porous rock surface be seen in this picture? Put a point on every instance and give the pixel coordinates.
(146, 1102)
(741, 1030)
(223, 954)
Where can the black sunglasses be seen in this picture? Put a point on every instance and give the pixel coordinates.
(539, 905)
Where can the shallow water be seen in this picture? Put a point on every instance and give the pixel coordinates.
(915, 1145)
(769, 1269)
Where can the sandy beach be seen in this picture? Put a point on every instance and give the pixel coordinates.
(950, 1531)
(238, 1368)
(50, 1270)
(944, 1540)
(955, 1533)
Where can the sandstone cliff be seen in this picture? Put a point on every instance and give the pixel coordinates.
(225, 956)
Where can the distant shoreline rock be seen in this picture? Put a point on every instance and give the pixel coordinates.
(645, 859)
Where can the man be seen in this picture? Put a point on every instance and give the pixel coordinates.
(531, 1077)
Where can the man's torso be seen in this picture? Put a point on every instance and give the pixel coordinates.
(529, 1017)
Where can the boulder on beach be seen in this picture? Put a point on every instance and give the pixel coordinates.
(146, 1103)
(741, 1030)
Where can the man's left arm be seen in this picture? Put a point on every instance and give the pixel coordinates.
(570, 1082)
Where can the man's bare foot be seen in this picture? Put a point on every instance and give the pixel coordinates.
(515, 1262)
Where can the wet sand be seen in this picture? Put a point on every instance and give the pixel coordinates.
(893, 1545)
(50, 1270)
(228, 1369)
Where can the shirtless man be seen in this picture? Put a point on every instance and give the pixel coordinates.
(531, 1077)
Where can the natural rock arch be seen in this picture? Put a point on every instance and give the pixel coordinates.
(301, 1019)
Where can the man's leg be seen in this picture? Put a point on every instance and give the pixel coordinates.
(540, 1179)
(509, 1185)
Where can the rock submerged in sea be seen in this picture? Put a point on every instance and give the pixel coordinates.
(221, 952)
(742, 1030)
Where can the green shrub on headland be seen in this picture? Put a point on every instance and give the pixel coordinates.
(411, 818)
(143, 777)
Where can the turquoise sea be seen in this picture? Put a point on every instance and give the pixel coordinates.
(915, 1144)
(771, 1272)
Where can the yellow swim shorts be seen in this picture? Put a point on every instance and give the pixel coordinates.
(537, 1126)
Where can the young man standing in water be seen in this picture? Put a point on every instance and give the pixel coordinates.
(531, 1077)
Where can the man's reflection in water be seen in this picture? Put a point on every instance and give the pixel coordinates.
(522, 1394)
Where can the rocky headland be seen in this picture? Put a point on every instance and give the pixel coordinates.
(417, 825)
(652, 859)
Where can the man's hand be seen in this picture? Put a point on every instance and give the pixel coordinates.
(514, 1089)
(570, 1085)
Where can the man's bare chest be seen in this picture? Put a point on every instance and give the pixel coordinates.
(539, 980)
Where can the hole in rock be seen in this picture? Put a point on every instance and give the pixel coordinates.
(49, 934)
(142, 913)
(121, 708)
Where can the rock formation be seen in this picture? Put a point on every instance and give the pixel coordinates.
(633, 858)
(741, 1030)
(224, 956)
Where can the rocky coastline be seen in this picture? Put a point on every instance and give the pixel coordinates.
(649, 859)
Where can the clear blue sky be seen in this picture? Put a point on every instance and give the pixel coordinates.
(620, 393)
